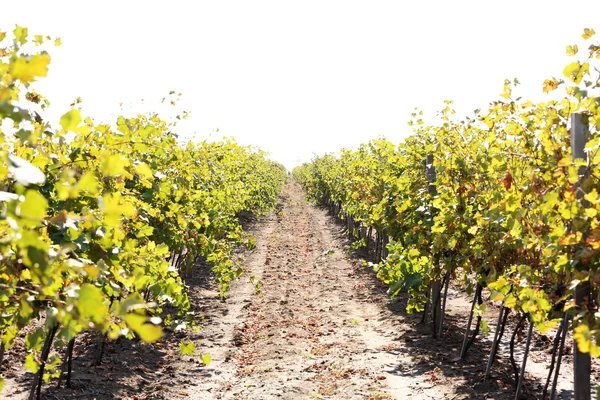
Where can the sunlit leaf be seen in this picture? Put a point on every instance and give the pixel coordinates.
(206, 359)
(25, 173)
(148, 332)
(28, 69)
(187, 348)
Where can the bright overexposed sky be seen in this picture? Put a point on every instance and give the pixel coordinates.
(298, 77)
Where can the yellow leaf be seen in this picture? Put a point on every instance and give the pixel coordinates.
(89, 184)
(588, 33)
(572, 239)
(570, 303)
(592, 196)
(571, 68)
(148, 332)
(20, 34)
(583, 337)
(510, 302)
(70, 120)
(144, 170)
(507, 90)
(114, 165)
(572, 50)
(550, 85)
(497, 296)
(28, 69)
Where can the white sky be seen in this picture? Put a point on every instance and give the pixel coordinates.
(302, 77)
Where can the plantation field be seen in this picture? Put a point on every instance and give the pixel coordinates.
(460, 263)
(323, 327)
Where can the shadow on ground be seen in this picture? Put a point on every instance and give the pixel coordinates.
(439, 359)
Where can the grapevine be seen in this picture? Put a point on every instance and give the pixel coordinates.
(512, 211)
(97, 221)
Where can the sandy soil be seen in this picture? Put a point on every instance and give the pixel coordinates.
(322, 327)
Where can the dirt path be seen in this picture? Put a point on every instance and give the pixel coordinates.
(321, 328)
(315, 331)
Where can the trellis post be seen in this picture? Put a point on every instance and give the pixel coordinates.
(581, 361)
(436, 287)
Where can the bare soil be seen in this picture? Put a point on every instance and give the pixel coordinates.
(322, 327)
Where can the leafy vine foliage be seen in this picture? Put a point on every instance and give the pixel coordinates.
(508, 213)
(97, 221)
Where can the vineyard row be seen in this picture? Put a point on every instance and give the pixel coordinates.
(507, 200)
(97, 221)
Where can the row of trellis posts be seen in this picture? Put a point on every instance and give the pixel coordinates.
(581, 361)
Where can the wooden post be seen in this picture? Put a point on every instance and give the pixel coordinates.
(444, 303)
(581, 361)
(436, 287)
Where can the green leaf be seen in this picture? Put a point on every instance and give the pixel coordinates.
(122, 125)
(33, 208)
(70, 120)
(91, 303)
(133, 302)
(9, 335)
(31, 363)
(485, 329)
(34, 339)
(550, 200)
(187, 348)
(512, 202)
